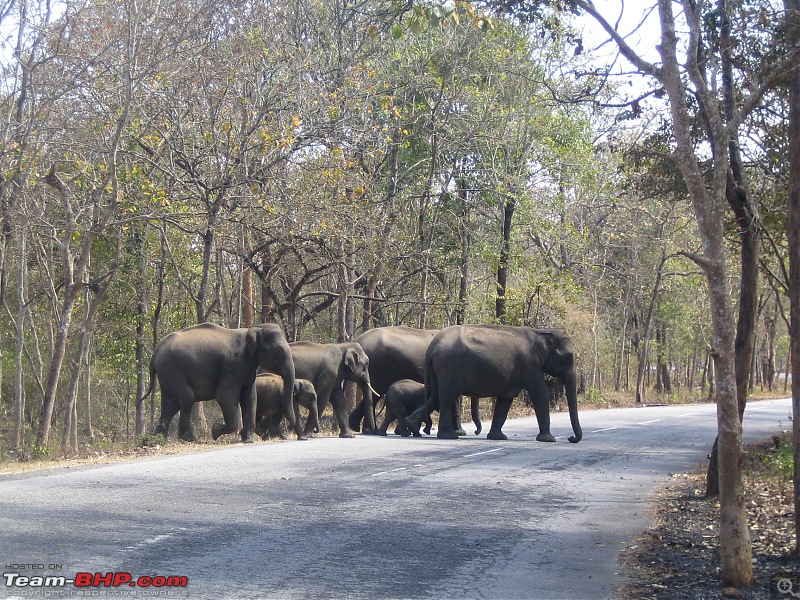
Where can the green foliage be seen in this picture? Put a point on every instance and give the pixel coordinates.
(782, 459)
(40, 452)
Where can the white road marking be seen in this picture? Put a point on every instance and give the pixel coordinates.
(609, 429)
(391, 471)
(688, 414)
(397, 470)
(648, 422)
(483, 452)
(152, 540)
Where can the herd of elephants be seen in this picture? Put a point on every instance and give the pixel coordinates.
(259, 379)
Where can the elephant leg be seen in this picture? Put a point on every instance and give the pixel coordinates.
(428, 424)
(232, 416)
(322, 402)
(338, 404)
(247, 403)
(388, 418)
(501, 406)
(457, 410)
(274, 427)
(169, 408)
(447, 420)
(185, 429)
(541, 406)
(414, 421)
(401, 412)
(355, 417)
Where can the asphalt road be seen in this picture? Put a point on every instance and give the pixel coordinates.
(363, 518)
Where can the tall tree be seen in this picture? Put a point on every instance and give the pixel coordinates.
(708, 193)
(793, 231)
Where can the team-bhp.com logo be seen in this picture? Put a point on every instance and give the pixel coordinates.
(119, 579)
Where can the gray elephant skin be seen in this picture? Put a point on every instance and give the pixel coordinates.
(398, 352)
(209, 362)
(327, 367)
(401, 399)
(269, 412)
(501, 361)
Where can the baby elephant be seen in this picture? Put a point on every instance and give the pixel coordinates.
(269, 391)
(402, 398)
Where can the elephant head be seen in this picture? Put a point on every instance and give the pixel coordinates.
(355, 363)
(558, 360)
(268, 344)
(305, 395)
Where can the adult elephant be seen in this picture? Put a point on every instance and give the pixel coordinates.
(396, 352)
(269, 412)
(327, 367)
(209, 362)
(501, 361)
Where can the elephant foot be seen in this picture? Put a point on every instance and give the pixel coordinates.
(447, 435)
(217, 430)
(383, 433)
(355, 424)
(302, 438)
(496, 435)
(188, 437)
(347, 434)
(412, 426)
(427, 429)
(249, 436)
(460, 431)
(545, 437)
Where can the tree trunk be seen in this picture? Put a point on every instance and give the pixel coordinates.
(88, 428)
(22, 309)
(346, 312)
(247, 297)
(505, 253)
(770, 335)
(793, 232)
(463, 286)
(640, 374)
(390, 218)
(708, 198)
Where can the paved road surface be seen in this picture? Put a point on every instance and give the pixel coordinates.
(368, 517)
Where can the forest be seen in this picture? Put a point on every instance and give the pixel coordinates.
(338, 166)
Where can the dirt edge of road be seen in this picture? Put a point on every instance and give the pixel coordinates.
(678, 557)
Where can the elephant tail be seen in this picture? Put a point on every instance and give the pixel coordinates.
(152, 383)
(431, 386)
(476, 415)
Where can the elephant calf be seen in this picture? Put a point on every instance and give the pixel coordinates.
(402, 398)
(269, 391)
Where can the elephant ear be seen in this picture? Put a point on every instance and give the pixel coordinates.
(251, 340)
(351, 359)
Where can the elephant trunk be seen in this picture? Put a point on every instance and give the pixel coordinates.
(369, 406)
(572, 403)
(287, 400)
